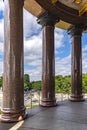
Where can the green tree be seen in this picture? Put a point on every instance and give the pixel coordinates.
(62, 84)
(1, 81)
(36, 85)
(66, 84)
(84, 83)
(27, 84)
(58, 83)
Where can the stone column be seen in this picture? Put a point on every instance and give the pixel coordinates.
(13, 108)
(48, 60)
(76, 63)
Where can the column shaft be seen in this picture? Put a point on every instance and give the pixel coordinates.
(48, 60)
(76, 64)
(13, 87)
(48, 67)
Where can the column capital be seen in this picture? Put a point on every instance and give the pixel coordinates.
(76, 29)
(47, 19)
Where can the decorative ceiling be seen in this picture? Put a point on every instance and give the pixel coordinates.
(75, 4)
(69, 11)
(33, 7)
(80, 5)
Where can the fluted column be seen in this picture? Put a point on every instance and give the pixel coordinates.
(76, 63)
(48, 60)
(13, 108)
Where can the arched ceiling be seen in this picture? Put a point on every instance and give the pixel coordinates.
(66, 10)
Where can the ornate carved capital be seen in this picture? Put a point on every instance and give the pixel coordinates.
(47, 19)
(76, 29)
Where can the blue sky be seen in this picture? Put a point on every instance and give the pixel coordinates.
(33, 47)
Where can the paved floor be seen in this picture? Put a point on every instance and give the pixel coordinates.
(66, 116)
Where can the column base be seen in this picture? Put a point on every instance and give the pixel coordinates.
(76, 98)
(48, 103)
(9, 115)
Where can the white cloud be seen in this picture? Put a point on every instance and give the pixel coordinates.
(59, 38)
(30, 25)
(84, 49)
(1, 5)
(35, 74)
(33, 45)
(33, 48)
(63, 66)
(1, 27)
(84, 59)
(1, 36)
(1, 48)
(1, 30)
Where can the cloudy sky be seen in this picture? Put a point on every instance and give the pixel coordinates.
(33, 48)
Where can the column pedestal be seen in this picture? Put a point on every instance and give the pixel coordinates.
(76, 98)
